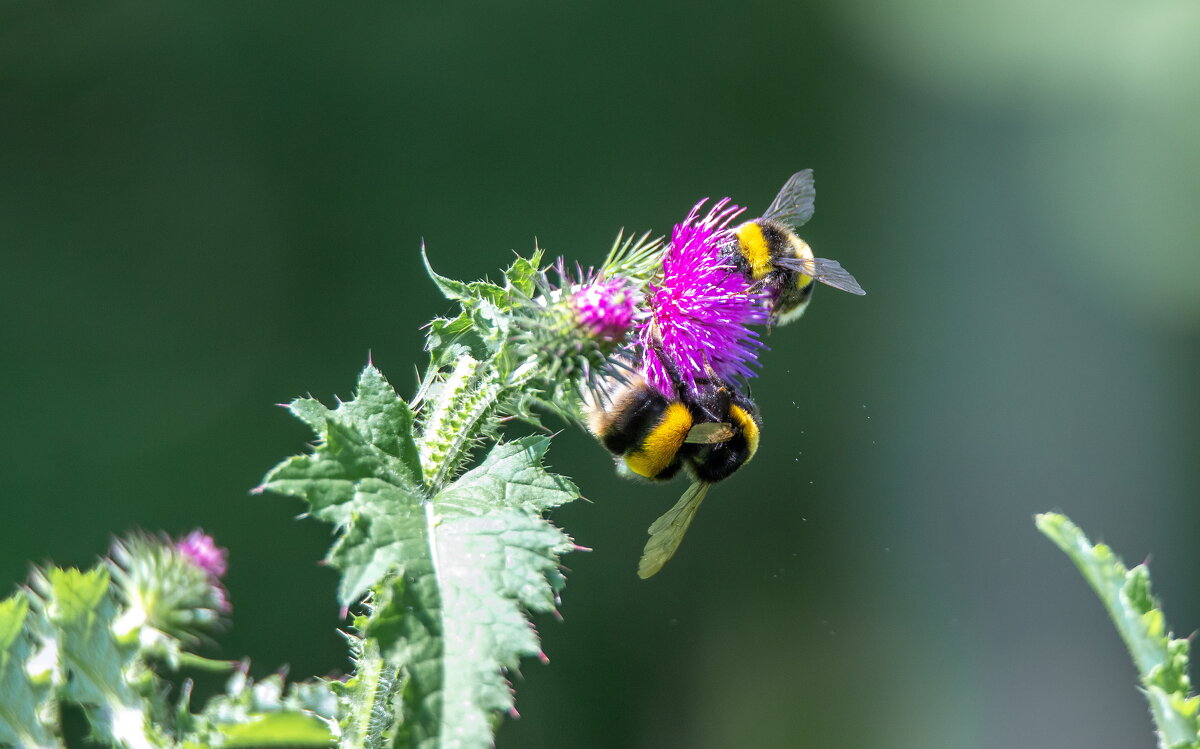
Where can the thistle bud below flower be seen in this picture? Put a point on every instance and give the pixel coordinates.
(604, 309)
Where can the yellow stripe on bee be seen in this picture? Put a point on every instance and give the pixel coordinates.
(661, 443)
(801, 251)
(754, 248)
(749, 428)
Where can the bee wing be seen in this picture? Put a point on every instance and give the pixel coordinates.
(824, 270)
(709, 433)
(667, 532)
(795, 203)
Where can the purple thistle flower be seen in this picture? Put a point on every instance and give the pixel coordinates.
(702, 307)
(604, 309)
(203, 552)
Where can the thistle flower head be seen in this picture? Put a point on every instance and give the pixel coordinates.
(701, 308)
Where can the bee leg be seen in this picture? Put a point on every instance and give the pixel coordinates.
(771, 288)
(668, 363)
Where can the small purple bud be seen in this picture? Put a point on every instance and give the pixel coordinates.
(605, 309)
(203, 552)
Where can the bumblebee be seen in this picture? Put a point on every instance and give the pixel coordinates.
(768, 253)
(710, 432)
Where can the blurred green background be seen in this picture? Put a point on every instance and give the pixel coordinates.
(209, 208)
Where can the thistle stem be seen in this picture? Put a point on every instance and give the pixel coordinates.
(372, 718)
(460, 414)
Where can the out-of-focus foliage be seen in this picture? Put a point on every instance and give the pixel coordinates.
(80, 639)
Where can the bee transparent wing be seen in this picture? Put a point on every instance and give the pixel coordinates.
(795, 203)
(826, 271)
(667, 532)
(709, 433)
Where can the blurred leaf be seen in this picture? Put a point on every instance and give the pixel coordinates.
(81, 608)
(1161, 660)
(279, 729)
(20, 698)
(267, 713)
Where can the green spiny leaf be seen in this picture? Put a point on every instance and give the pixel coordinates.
(385, 528)
(1161, 660)
(448, 339)
(364, 469)
(384, 419)
(466, 294)
(453, 573)
(12, 620)
(492, 323)
(81, 610)
(455, 616)
(524, 273)
(512, 472)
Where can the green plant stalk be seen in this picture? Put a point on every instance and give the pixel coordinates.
(460, 412)
(370, 722)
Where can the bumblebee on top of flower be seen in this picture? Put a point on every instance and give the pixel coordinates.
(674, 401)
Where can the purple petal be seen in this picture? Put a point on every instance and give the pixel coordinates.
(702, 307)
(203, 552)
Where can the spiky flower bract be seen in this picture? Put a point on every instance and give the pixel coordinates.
(636, 259)
(700, 310)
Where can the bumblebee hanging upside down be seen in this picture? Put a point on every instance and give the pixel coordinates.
(768, 253)
(710, 432)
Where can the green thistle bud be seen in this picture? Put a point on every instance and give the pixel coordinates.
(172, 593)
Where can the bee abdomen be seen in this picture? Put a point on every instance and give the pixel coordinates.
(721, 461)
(656, 452)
